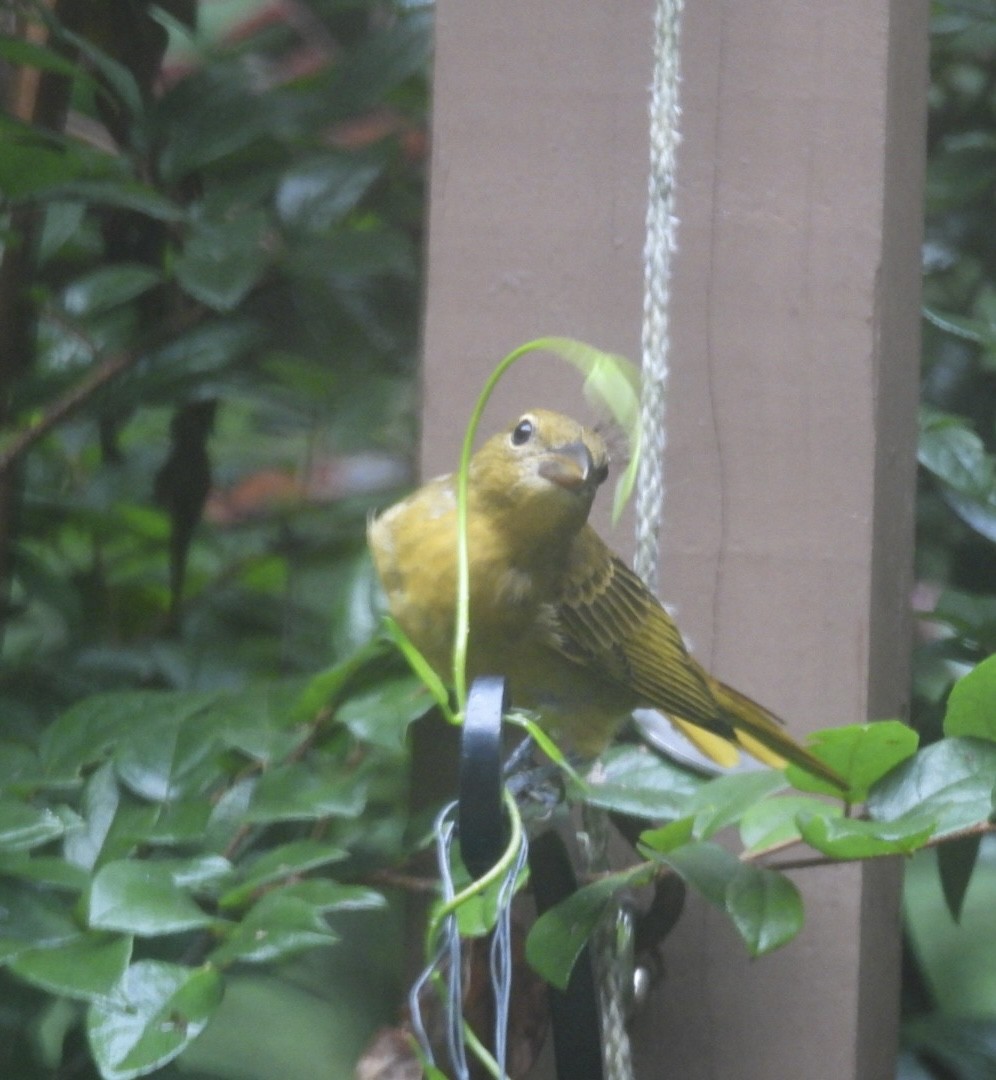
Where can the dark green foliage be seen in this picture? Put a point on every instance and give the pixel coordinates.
(949, 1031)
(209, 295)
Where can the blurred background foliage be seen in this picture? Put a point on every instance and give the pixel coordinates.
(212, 223)
(950, 971)
(210, 288)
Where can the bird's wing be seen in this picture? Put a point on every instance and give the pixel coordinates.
(606, 619)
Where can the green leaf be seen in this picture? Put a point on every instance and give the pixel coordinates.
(156, 1011)
(382, 60)
(971, 708)
(613, 383)
(670, 836)
(703, 865)
(32, 918)
(44, 870)
(368, 251)
(19, 52)
(181, 822)
(961, 326)
(478, 914)
(131, 827)
(956, 455)
(773, 822)
(228, 815)
(766, 908)
(123, 194)
(317, 193)
(29, 167)
(978, 513)
(325, 896)
(169, 751)
(850, 838)
(88, 967)
(861, 753)
(382, 715)
(417, 662)
(547, 747)
(326, 688)
(84, 734)
(139, 897)
(296, 793)
(276, 927)
(23, 826)
(634, 780)
(258, 723)
(559, 935)
(221, 262)
(964, 1047)
(279, 863)
(955, 862)
(951, 781)
(724, 800)
(115, 74)
(214, 114)
(107, 287)
(198, 873)
(18, 766)
(101, 799)
(206, 349)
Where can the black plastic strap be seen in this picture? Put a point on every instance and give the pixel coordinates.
(483, 838)
(483, 828)
(574, 1011)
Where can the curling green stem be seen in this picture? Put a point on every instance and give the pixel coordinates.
(479, 885)
(463, 552)
(614, 381)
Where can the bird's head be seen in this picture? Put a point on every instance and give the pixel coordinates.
(545, 463)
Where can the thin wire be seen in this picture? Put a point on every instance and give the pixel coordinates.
(446, 959)
(447, 955)
(452, 949)
(501, 955)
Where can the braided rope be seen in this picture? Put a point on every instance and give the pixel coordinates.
(615, 974)
(613, 966)
(660, 245)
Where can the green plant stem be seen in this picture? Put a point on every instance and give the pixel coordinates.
(480, 1051)
(462, 628)
(501, 867)
(983, 828)
(614, 381)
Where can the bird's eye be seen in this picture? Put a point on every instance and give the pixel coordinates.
(523, 431)
(601, 473)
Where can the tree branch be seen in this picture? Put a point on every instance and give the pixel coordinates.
(89, 385)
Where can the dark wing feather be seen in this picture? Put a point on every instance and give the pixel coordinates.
(606, 619)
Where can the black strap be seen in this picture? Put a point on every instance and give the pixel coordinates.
(573, 1011)
(483, 828)
(483, 831)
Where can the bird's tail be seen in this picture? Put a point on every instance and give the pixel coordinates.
(763, 735)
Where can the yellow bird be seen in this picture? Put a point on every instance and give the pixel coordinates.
(580, 639)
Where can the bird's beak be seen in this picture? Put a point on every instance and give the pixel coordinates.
(572, 467)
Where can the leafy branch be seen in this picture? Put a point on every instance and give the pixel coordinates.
(101, 374)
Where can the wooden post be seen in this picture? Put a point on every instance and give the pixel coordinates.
(791, 404)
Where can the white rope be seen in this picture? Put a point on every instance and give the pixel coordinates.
(613, 967)
(615, 974)
(660, 245)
